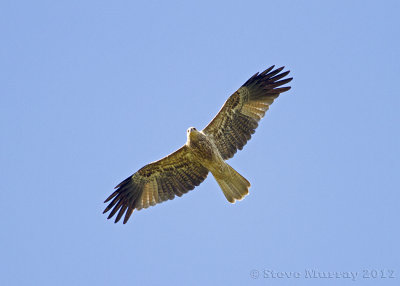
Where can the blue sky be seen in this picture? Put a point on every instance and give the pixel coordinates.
(93, 90)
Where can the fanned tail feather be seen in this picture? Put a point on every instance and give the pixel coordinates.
(234, 186)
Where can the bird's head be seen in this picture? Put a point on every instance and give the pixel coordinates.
(191, 131)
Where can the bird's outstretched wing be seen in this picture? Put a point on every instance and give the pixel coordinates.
(238, 118)
(156, 182)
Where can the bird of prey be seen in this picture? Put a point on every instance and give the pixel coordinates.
(205, 151)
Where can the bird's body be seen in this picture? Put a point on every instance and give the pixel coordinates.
(205, 151)
(202, 147)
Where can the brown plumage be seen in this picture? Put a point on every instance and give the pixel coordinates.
(204, 151)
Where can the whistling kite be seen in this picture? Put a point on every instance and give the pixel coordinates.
(204, 151)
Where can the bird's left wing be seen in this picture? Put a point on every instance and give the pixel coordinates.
(174, 175)
(238, 118)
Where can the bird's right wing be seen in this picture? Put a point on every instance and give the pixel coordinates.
(174, 175)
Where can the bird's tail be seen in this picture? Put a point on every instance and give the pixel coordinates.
(234, 185)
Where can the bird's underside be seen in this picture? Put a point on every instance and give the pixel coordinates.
(205, 151)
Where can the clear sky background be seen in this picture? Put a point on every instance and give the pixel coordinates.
(93, 90)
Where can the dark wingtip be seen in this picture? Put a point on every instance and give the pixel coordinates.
(282, 89)
(251, 79)
(279, 76)
(121, 213)
(111, 196)
(127, 180)
(287, 80)
(278, 70)
(267, 70)
(128, 214)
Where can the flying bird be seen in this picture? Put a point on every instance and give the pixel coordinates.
(205, 151)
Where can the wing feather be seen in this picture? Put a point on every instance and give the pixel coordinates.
(238, 118)
(174, 175)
